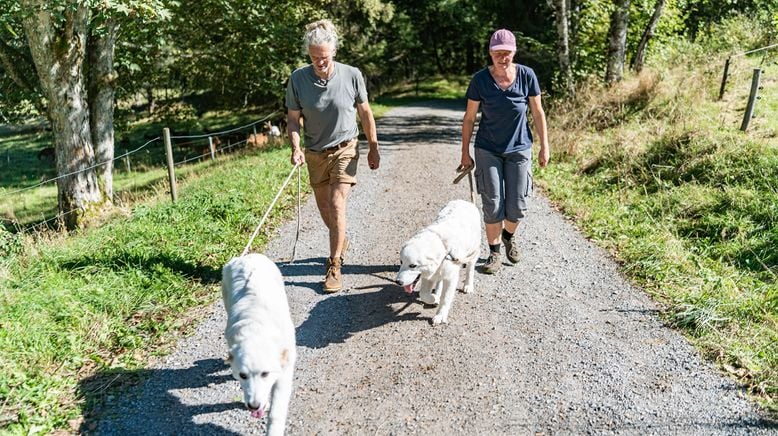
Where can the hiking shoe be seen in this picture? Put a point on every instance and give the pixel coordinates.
(511, 248)
(333, 281)
(493, 263)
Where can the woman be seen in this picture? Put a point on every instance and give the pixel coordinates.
(328, 95)
(503, 144)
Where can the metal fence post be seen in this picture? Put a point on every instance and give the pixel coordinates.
(751, 99)
(170, 170)
(210, 146)
(724, 78)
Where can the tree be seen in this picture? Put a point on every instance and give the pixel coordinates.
(640, 53)
(617, 41)
(57, 35)
(561, 14)
(71, 45)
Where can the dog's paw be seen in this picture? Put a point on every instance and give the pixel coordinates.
(439, 319)
(468, 289)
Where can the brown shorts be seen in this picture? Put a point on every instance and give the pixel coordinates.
(333, 165)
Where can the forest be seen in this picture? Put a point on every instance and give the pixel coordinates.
(74, 62)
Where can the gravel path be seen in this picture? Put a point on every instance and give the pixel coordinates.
(559, 344)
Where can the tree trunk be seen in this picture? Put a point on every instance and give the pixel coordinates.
(563, 45)
(617, 41)
(573, 12)
(17, 66)
(640, 53)
(58, 46)
(102, 87)
(150, 98)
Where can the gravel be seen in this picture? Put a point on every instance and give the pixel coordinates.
(560, 343)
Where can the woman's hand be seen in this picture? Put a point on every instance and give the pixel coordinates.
(466, 162)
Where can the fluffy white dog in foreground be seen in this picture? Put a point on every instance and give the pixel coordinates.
(432, 258)
(260, 336)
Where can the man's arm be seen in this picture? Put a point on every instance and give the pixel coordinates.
(368, 126)
(293, 130)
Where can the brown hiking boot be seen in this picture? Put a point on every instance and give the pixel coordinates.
(493, 263)
(511, 249)
(333, 281)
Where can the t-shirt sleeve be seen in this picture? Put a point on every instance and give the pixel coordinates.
(533, 87)
(292, 102)
(472, 91)
(359, 82)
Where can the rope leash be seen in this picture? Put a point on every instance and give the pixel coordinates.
(297, 235)
(466, 171)
(273, 203)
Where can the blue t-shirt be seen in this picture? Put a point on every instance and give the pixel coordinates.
(504, 127)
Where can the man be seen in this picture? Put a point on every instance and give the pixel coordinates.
(328, 95)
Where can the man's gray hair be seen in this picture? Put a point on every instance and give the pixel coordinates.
(319, 33)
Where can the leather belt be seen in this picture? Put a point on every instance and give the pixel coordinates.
(338, 146)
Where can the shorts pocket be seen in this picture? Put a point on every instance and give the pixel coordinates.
(530, 185)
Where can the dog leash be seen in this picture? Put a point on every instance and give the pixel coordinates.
(272, 203)
(466, 171)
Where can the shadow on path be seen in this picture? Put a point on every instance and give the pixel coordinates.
(168, 414)
(337, 318)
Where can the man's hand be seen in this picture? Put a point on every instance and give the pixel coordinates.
(298, 157)
(373, 158)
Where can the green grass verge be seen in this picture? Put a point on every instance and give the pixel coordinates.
(656, 171)
(101, 299)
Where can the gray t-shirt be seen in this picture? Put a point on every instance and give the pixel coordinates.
(328, 106)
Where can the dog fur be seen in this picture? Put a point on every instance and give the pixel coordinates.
(433, 257)
(260, 336)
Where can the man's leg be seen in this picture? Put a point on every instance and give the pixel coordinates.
(323, 196)
(337, 203)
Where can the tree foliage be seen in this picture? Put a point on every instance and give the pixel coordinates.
(238, 53)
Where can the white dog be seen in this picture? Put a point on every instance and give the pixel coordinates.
(260, 336)
(434, 256)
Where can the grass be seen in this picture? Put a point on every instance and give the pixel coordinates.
(656, 170)
(101, 299)
(20, 167)
(105, 300)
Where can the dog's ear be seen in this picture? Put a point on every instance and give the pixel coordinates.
(284, 357)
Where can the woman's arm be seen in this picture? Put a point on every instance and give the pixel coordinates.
(539, 116)
(468, 125)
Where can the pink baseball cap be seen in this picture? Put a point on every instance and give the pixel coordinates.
(502, 39)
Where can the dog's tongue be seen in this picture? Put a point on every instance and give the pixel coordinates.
(259, 413)
(408, 288)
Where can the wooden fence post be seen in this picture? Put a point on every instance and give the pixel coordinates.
(724, 78)
(127, 161)
(170, 170)
(751, 99)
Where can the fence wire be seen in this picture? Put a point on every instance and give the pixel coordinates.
(738, 89)
(194, 139)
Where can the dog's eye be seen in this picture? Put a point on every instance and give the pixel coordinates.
(413, 265)
(243, 375)
(264, 374)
